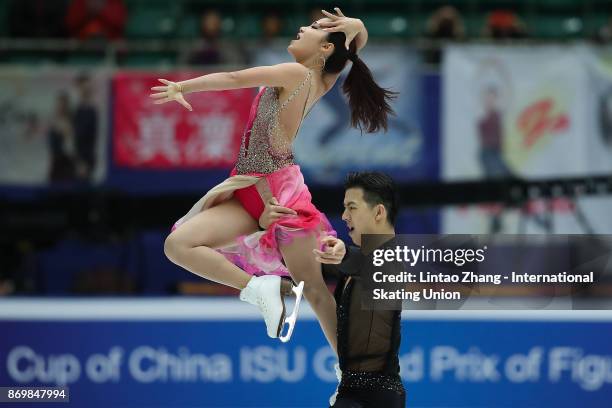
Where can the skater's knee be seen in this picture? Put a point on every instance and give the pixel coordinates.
(177, 247)
(171, 247)
(174, 246)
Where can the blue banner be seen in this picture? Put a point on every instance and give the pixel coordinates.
(167, 358)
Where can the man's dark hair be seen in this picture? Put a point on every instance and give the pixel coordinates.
(378, 188)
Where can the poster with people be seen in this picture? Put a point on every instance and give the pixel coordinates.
(515, 112)
(53, 126)
(599, 104)
(527, 112)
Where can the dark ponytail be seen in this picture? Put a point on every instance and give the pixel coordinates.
(369, 102)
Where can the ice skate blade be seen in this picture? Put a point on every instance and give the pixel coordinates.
(290, 321)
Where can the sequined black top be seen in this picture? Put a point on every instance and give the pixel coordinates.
(368, 340)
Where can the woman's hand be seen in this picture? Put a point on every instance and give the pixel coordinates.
(339, 22)
(273, 212)
(170, 92)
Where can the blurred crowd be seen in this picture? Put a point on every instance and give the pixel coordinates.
(107, 20)
(82, 19)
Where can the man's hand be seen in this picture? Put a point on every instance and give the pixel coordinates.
(332, 253)
(273, 212)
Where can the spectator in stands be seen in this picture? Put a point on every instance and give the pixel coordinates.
(210, 24)
(85, 123)
(504, 24)
(266, 52)
(91, 19)
(61, 142)
(604, 33)
(271, 26)
(209, 52)
(37, 18)
(445, 24)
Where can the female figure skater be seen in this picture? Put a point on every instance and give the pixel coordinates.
(219, 238)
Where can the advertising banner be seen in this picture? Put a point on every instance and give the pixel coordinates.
(529, 112)
(53, 126)
(215, 353)
(168, 136)
(524, 111)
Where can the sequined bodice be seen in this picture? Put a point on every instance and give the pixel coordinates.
(265, 148)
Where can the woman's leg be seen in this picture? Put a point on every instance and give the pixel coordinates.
(302, 265)
(191, 244)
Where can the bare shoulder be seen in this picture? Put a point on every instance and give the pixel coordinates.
(292, 68)
(291, 73)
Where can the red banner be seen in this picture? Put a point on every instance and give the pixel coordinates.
(146, 135)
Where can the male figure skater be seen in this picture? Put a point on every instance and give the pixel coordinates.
(368, 340)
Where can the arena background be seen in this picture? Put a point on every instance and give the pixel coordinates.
(503, 126)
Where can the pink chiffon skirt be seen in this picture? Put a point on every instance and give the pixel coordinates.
(259, 253)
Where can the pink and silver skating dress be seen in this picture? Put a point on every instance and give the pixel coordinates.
(265, 169)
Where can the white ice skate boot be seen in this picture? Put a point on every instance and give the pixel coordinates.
(265, 292)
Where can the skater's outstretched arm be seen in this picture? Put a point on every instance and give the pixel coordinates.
(280, 75)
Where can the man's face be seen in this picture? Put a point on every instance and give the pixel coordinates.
(360, 218)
